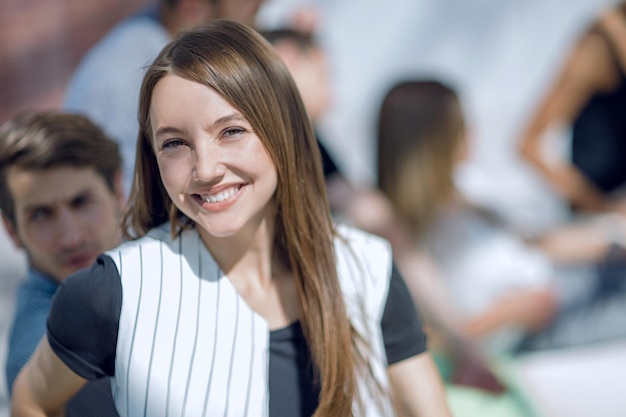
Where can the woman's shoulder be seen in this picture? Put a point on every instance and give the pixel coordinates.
(349, 236)
(101, 271)
(364, 264)
(355, 248)
(154, 237)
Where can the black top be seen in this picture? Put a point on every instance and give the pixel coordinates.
(291, 386)
(599, 135)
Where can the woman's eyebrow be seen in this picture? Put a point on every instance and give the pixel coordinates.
(229, 118)
(167, 130)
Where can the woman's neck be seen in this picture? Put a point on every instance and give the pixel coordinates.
(248, 254)
(258, 272)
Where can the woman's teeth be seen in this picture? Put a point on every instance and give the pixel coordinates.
(224, 195)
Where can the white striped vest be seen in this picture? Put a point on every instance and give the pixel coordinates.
(188, 345)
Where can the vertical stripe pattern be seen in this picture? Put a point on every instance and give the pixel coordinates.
(364, 267)
(189, 345)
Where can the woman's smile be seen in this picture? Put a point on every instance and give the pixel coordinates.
(219, 201)
(221, 196)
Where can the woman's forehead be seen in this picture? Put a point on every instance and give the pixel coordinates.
(178, 98)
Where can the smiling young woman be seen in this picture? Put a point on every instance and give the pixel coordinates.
(236, 295)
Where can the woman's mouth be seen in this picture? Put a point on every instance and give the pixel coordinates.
(221, 196)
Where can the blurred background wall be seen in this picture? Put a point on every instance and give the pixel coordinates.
(41, 41)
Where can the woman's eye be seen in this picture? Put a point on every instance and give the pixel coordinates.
(233, 131)
(172, 144)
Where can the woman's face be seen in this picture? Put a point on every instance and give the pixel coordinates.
(212, 164)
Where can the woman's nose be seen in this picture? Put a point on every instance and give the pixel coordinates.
(209, 163)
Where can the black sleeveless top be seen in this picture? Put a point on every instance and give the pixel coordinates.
(599, 134)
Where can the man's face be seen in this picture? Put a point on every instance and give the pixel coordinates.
(311, 76)
(64, 217)
(309, 70)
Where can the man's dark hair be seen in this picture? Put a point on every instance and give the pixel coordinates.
(41, 140)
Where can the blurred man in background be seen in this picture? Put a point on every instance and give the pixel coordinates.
(60, 197)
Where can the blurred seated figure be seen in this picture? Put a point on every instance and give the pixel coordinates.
(61, 198)
(498, 286)
(509, 294)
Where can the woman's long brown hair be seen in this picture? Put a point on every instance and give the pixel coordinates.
(420, 129)
(242, 67)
